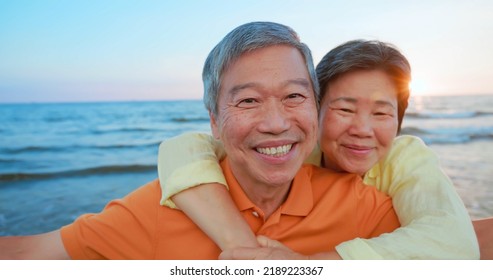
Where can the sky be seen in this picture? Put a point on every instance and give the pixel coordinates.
(84, 51)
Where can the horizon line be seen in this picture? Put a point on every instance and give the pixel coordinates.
(194, 99)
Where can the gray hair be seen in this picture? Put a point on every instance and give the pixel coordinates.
(245, 38)
(368, 55)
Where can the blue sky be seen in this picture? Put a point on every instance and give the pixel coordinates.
(59, 51)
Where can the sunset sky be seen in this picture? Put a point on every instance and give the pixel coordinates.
(66, 51)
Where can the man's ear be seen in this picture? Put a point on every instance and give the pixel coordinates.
(214, 126)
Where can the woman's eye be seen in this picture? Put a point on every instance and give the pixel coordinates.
(383, 114)
(346, 110)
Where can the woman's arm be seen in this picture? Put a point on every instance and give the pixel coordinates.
(192, 179)
(211, 208)
(435, 222)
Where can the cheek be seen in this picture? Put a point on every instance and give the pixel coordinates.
(232, 127)
(327, 135)
(312, 121)
(306, 117)
(330, 127)
(386, 134)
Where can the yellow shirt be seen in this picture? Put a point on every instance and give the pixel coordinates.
(435, 222)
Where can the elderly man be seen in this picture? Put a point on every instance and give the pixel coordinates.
(261, 92)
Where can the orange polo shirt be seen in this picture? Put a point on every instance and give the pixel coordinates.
(322, 210)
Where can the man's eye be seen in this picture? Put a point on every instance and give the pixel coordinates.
(247, 103)
(295, 95)
(295, 98)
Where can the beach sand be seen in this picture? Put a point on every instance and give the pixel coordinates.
(470, 166)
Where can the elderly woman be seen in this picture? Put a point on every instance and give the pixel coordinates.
(364, 88)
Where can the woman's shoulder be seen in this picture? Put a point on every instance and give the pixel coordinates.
(408, 144)
(409, 156)
(406, 140)
(407, 149)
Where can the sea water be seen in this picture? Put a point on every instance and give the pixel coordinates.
(58, 161)
(460, 130)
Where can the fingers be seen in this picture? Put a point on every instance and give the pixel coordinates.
(260, 254)
(270, 250)
(226, 255)
(243, 254)
(264, 241)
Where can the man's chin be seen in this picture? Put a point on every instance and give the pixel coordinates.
(279, 177)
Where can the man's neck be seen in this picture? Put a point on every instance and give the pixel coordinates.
(267, 198)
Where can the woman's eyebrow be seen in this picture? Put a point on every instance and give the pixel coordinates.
(354, 101)
(345, 99)
(385, 103)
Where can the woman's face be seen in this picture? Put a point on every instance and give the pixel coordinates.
(358, 120)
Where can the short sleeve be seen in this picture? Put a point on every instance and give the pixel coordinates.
(186, 161)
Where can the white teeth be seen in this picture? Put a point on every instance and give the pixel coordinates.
(275, 151)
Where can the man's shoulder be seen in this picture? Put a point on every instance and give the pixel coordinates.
(144, 198)
(323, 175)
(324, 181)
(344, 192)
(150, 190)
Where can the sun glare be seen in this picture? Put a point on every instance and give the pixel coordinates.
(418, 87)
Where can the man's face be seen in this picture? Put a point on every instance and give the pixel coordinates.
(267, 117)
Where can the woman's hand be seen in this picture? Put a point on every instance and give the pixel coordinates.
(273, 250)
(269, 250)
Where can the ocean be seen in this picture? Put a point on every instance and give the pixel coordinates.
(58, 161)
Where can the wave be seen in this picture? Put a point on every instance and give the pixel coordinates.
(8, 160)
(30, 149)
(450, 135)
(119, 146)
(112, 169)
(185, 119)
(448, 115)
(123, 129)
(62, 118)
(157, 128)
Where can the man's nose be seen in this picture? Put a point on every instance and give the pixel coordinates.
(274, 118)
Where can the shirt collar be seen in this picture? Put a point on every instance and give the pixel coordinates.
(298, 203)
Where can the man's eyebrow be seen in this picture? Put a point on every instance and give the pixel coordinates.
(241, 87)
(301, 82)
